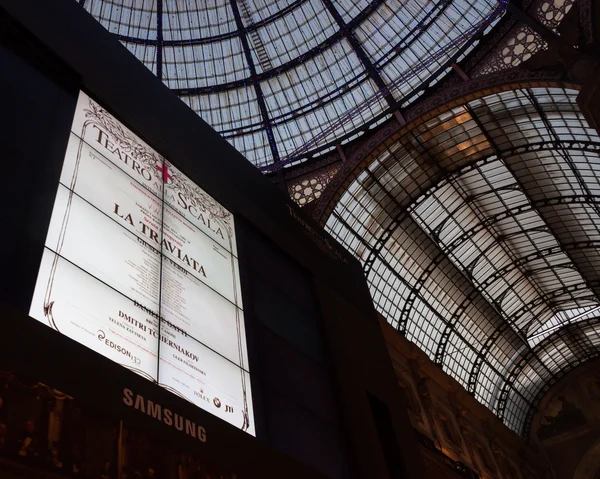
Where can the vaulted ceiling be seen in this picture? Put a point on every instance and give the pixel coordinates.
(478, 226)
(479, 232)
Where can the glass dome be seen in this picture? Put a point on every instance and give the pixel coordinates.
(283, 80)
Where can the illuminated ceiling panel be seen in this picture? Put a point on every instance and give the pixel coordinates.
(320, 69)
(479, 232)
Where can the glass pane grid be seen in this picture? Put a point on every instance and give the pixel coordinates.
(316, 88)
(485, 225)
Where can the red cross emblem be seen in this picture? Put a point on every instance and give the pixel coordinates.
(166, 176)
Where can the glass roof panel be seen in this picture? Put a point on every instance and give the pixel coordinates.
(292, 134)
(229, 111)
(131, 19)
(486, 243)
(423, 32)
(185, 20)
(350, 9)
(198, 66)
(263, 9)
(299, 54)
(255, 144)
(479, 204)
(400, 24)
(314, 82)
(146, 53)
(291, 35)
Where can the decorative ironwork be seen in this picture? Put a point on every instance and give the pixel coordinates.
(515, 49)
(305, 189)
(271, 79)
(522, 42)
(551, 12)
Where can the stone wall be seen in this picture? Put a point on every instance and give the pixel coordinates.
(567, 425)
(452, 425)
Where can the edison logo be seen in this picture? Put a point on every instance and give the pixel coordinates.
(101, 335)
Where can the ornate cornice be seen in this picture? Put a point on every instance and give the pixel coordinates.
(313, 167)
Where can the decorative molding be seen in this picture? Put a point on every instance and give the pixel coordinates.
(516, 48)
(501, 30)
(309, 188)
(551, 12)
(444, 405)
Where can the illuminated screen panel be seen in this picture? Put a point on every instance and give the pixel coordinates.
(141, 266)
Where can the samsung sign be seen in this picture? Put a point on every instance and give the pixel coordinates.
(163, 414)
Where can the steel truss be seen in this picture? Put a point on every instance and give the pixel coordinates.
(444, 178)
(561, 334)
(535, 205)
(424, 301)
(565, 248)
(260, 97)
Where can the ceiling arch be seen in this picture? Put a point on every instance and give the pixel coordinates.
(479, 231)
(578, 341)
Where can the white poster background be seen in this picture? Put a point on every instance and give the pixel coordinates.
(88, 312)
(106, 134)
(220, 268)
(97, 180)
(208, 216)
(200, 276)
(205, 315)
(106, 250)
(121, 146)
(117, 195)
(211, 382)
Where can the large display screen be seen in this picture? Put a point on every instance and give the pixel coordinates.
(140, 265)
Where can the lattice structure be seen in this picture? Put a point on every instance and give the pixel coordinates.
(269, 75)
(479, 232)
(519, 46)
(551, 12)
(522, 42)
(305, 189)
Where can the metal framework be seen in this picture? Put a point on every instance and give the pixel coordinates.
(591, 324)
(286, 80)
(279, 115)
(260, 98)
(479, 231)
(346, 31)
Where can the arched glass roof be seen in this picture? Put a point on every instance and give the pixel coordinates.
(283, 79)
(479, 232)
